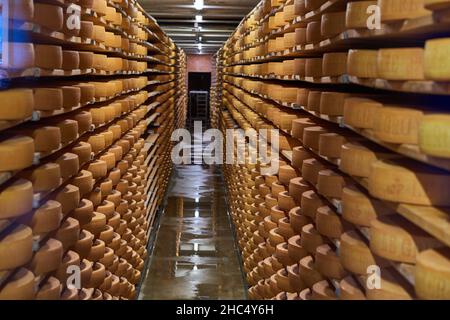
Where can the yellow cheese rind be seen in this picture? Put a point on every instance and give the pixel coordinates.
(432, 274)
(16, 153)
(434, 135)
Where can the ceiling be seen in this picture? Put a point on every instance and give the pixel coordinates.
(220, 19)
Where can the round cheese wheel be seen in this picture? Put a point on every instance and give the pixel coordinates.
(50, 290)
(285, 201)
(69, 130)
(47, 218)
(71, 60)
(48, 99)
(48, 56)
(323, 291)
(84, 243)
(98, 169)
(46, 177)
(328, 263)
(97, 223)
(408, 182)
(310, 238)
(395, 64)
(356, 14)
(330, 144)
(395, 238)
(398, 10)
(332, 24)
(97, 250)
(310, 202)
(48, 16)
(299, 154)
(16, 199)
(19, 287)
(308, 272)
(434, 135)
(71, 96)
(68, 233)
(21, 55)
(332, 103)
(311, 137)
(84, 212)
(350, 290)
(359, 209)
(285, 174)
(299, 125)
(46, 139)
(16, 248)
(84, 181)
(328, 223)
(16, 153)
(48, 258)
(362, 63)
(355, 254)
(18, 104)
(432, 274)
(313, 66)
(83, 150)
(330, 183)
(69, 198)
(86, 60)
(313, 32)
(297, 187)
(68, 164)
(311, 169)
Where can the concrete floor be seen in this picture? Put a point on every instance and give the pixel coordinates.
(195, 255)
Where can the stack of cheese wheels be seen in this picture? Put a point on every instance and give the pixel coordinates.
(80, 185)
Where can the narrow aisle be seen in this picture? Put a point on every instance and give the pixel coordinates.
(195, 256)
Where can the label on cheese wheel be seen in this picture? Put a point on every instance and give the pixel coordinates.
(409, 182)
(397, 125)
(357, 14)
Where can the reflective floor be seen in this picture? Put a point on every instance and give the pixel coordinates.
(195, 256)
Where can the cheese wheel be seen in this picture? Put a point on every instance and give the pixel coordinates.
(48, 56)
(48, 16)
(359, 209)
(323, 291)
(84, 212)
(332, 24)
(330, 183)
(330, 145)
(361, 112)
(69, 198)
(68, 233)
(21, 55)
(362, 63)
(311, 137)
(71, 60)
(295, 282)
(395, 238)
(395, 64)
(398, 10)
(409, 183)
(68, 164)
(16, 199)
(299, 154)
(16, 248)
(432, 274)
(97, 250)
(332, 103)
(70, 259)
(98, 169)
(310, 170)
(328, 263)
(86, 60)
(69, 130)
(313, 32)
(71, 96)
(46, 138)
(350, 290)
(334, 64)
(299, 125)
(328, 223)
(84, 243)
(97, 142)
(97, 223)
(19, 287)
(47, 218)
(308, 272)
(16, 153)
(310, 238)
(47, 258)
(84, 181)
(45, 178)
(50, 290)
(48, 99)
(357, 14)
(18, 104)
(436, 4)
(310, 202)
(434, 135)
(355, 255)
(313, 67)
(83, 150)
(21, 9)
(397, 125)
(98, 33)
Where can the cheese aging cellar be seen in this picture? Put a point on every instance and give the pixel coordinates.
(225, 150)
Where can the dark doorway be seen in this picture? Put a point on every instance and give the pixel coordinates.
(199, 87)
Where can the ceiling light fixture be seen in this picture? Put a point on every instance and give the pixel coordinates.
(198, 18)
(199, 4)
